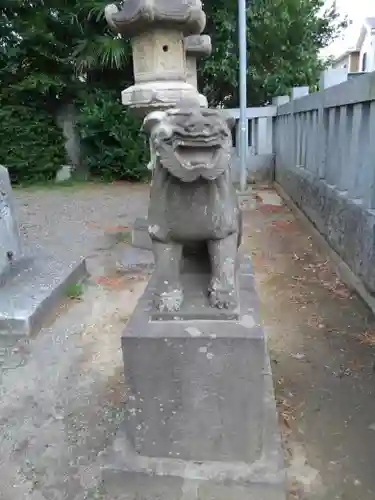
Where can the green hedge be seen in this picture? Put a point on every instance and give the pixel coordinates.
(31, 144)
(113, 147)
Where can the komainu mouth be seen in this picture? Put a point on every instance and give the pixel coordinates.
(190, 143)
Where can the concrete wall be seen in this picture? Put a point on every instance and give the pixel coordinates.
(260, 151)
(342, 62)
(260, 157)
(331, 77)
(325, 160)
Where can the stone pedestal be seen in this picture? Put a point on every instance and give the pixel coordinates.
(140, 236)
(201, 414)
(200, 420)
(30, 286)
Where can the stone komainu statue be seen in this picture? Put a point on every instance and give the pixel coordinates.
(192, 200)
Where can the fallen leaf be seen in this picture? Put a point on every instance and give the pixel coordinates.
(368, 338)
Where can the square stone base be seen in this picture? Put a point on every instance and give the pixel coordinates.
(31, 290)
(126, 485)
(201, 416)
(140, 236)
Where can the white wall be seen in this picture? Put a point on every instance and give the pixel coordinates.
(368, 48)
(342, 63)
(372, 38)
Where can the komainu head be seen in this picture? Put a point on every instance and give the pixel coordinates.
(190, 142)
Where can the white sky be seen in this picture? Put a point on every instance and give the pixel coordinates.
(357, 11)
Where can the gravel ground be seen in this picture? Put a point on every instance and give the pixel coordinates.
(79, 221)
(62, 392)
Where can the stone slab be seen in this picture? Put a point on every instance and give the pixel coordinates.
(10, 244)
(140, 236)
(200, 398)
(200, 420)
(136, 260)
(195, 279)
(121, 485)
(269, 198)
(195, 283)
(33, 287)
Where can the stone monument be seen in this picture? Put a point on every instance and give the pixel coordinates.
(29, 285)
(200, 416)
(10, 244)
(196, 46)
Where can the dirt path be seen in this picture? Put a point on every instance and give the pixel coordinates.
(62, 393)
(62, 404)
(322, 341)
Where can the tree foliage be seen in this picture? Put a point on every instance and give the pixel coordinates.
(62, 51)
(58, 52)
(51, 49)
(284, 38)
(31, 146)
(113, 146)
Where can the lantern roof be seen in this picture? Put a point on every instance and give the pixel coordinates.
(138, 16)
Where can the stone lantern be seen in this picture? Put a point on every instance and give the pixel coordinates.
(157, 29)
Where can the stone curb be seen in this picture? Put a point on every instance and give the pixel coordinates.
(342, 269)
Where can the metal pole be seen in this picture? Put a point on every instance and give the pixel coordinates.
(242, 42)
